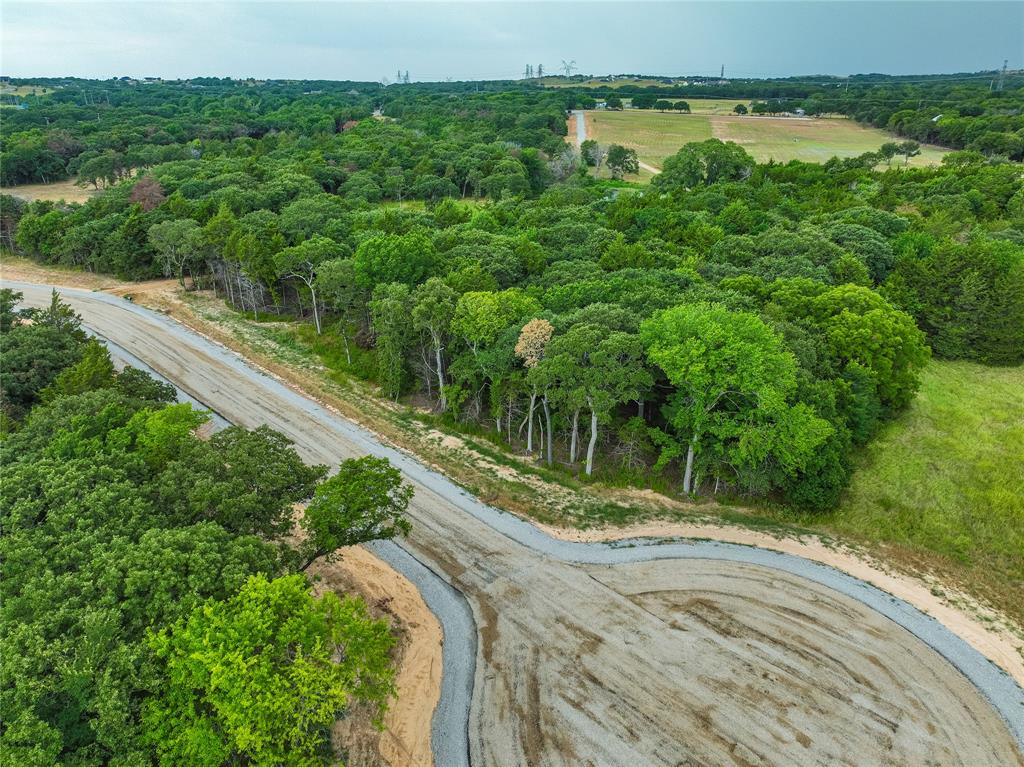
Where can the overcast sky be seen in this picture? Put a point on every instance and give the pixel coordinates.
(489, 40)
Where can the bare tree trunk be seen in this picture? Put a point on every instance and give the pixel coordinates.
(316, 311)
(529, 421)
(688, 474)
(575, 439)
(440, 382)
(640, 408)
(593, 441)
(344, 340)
(241, 293)
(551, 434)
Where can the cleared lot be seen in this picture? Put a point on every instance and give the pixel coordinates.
(666, 662)
(657, 135)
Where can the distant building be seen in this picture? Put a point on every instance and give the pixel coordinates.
(799, 112)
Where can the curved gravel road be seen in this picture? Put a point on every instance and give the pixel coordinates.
(633, 653)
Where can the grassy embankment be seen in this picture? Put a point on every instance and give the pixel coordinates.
(944, 483)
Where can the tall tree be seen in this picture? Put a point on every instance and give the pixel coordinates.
(302, 261)
(622, 160)
(530, 347)
(365, 501)
(393, 324)
(432, 313)
(732, 376)
(261, 677)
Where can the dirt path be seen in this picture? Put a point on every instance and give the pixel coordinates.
(708, 654)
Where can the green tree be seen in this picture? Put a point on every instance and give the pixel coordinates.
(302, 261)
(704, 163)
(909, 149)
(177, 242)
(260, 678)
(94, 370)
(338, 287)
(405, 258)
(732, 376)
(365, 501)
(393, 324)
(622, 160)
(432, 313)
(590, 367)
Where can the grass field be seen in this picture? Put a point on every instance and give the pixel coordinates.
(24, 90)
(948, 475)
(657, 135)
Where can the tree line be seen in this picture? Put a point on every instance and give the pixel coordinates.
(556, 312)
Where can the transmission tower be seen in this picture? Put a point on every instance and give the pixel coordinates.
(540, 70)
(721, 75)
(405, 79)
(568, 66)
(1002, 75)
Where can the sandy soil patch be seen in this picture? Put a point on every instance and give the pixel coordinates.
(405, 740)
(23, 270)
(66, 190)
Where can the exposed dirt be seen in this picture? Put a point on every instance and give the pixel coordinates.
(21, 269)
(405, 740)
(985, 629)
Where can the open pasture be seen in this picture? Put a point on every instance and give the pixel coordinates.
(657, 135)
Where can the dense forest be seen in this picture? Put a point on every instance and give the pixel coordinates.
(155, 603)
(739, 328)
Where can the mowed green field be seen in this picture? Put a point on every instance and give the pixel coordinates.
(947, 476)
(656, 135)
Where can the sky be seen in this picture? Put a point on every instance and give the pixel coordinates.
(496, 40)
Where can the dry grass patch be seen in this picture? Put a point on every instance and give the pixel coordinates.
(67, 190)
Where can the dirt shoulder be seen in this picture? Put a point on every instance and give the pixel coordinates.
(512, 485)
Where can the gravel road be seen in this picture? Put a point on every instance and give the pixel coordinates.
(636, 653)
(581, 126)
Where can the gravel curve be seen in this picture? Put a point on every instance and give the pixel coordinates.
(450, 724)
